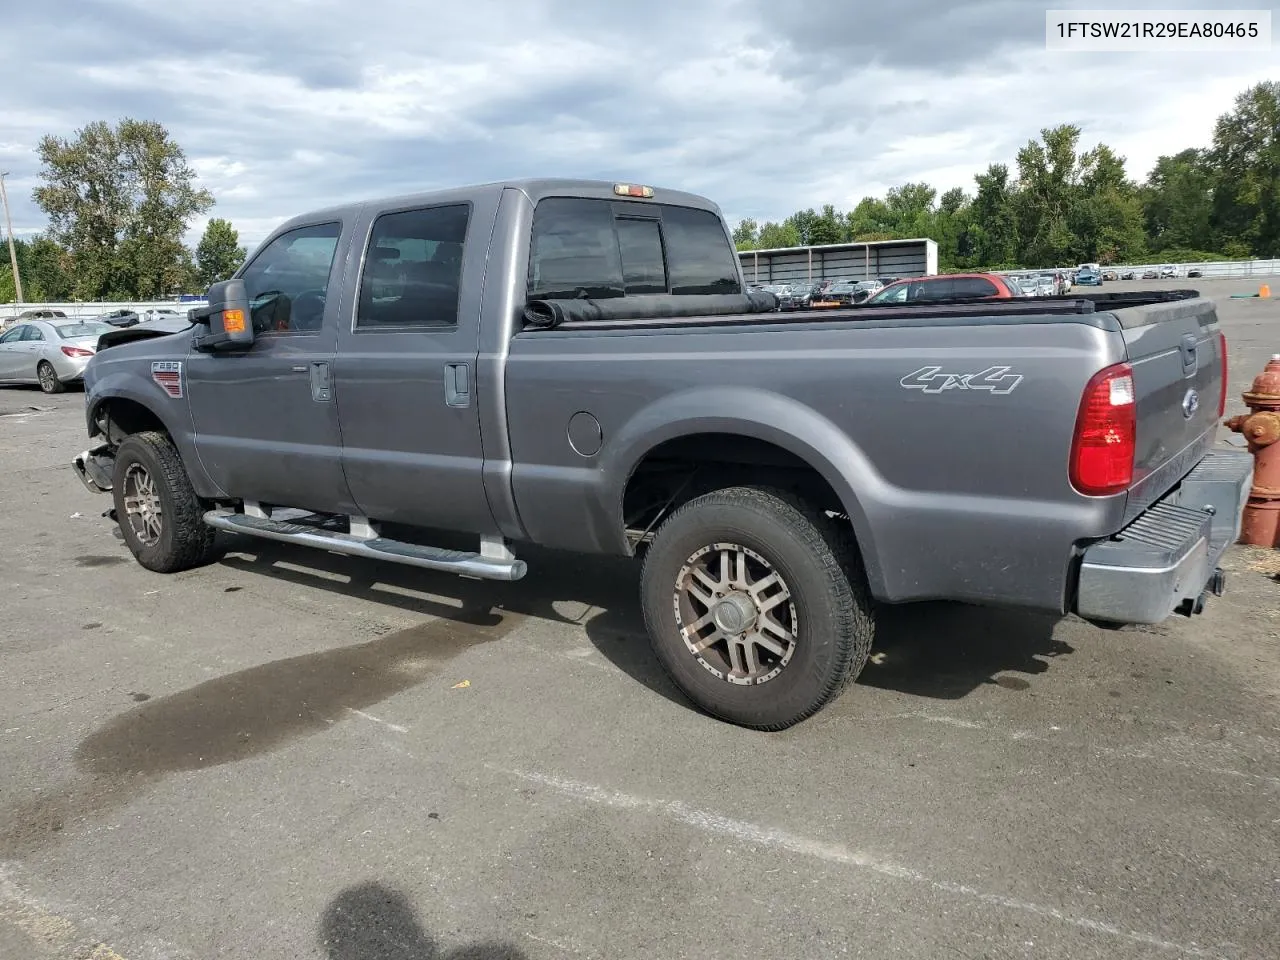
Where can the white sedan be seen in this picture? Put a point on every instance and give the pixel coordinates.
(51, 353)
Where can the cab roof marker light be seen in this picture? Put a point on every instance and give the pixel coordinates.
(632, 190)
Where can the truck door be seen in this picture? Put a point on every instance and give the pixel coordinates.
(265, 419)
(405, 372)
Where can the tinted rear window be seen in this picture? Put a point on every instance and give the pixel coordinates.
(700, 257)
(600, 249)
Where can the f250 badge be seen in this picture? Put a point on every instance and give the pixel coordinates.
(168, 376)
(996, 380)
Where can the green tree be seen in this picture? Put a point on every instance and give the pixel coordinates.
(219, 254)
(993, 232)
(1177, 202)
(746, 235)
(775, 236)
(871, 216)
(1246, 161)
(119, 200)
(910, 209)
(41, 263)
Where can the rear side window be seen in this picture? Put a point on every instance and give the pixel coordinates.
(33, 334)
(413, 268)
(601, 249)
(926, 291)
(974, 287)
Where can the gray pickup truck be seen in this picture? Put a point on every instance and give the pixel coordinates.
(578, 365)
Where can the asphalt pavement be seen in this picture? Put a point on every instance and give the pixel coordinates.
(291, 754)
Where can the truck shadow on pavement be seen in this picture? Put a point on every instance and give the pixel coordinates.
(371, 921)
(938, 650)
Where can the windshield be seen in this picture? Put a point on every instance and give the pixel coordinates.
(90, 328)
(868, 285)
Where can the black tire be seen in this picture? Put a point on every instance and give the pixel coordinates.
(817, 561)
(183, 539)
(48, 378)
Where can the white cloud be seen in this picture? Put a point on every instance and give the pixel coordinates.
(765, 105)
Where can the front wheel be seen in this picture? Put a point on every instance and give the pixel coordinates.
(756, 607)
(160, 516)
(48, 378)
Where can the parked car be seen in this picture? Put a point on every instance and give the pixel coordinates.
(120, 318)
(458, 381)
(1151, 274)
(158, 313)
(1195, 272)
(1128, 275)
(52, 353)
(798, 296)
(1046, 285)
(953, 286)
(1087, 277)
(1168, 272)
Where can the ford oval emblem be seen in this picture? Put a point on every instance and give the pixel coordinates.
(1190, 404)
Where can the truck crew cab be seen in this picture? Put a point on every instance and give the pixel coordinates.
(576, 364)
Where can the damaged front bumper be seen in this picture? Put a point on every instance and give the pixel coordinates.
(94, 467)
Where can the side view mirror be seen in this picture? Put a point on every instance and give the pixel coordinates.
(227, 316)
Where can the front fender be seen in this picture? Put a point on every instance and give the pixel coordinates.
(115, 381)
(760, 415)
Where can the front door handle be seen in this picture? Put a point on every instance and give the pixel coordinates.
(457, 384)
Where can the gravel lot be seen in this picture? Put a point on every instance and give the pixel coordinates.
(290, 754)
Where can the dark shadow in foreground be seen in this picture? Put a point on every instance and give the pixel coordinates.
(372, 921)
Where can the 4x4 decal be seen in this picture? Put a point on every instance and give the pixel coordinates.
(997, 380)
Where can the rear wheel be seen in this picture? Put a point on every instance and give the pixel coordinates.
(160, 516)
(48, 378)
(756, 607)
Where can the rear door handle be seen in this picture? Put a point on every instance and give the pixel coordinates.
(321, 390)
(457, 384)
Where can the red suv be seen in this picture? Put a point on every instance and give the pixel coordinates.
(947, 286)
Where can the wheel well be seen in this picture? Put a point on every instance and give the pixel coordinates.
(119, 418)
(685, 467)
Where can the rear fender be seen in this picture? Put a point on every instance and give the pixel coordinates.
(760, 415)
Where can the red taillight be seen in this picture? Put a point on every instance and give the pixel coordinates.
(1222, 395)
(1106, 434)
(77, 352)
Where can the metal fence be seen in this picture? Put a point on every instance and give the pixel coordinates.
(86, 311)
(1214, 269)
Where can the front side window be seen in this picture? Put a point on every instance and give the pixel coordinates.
(413, 268)
(14, 335)
(288, 281)
(896, 294)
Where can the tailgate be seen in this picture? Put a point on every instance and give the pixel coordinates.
(1177, 356)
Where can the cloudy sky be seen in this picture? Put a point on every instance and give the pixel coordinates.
(764, 105)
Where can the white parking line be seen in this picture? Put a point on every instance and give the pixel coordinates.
(751, 833)
(386, 723)
(1111, 753)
